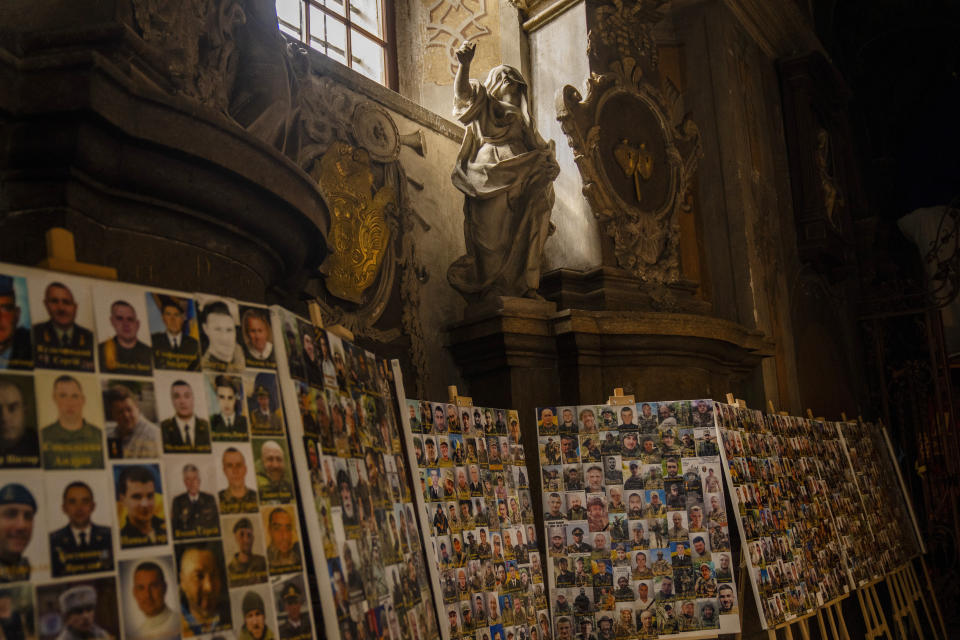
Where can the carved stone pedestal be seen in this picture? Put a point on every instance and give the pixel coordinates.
(612, 288)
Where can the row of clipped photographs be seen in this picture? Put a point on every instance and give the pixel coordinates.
(803, 498)
(368, 556)
(474, 487)
(638, 542)
(128, 531)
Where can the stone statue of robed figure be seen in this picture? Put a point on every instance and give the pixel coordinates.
(506, 171)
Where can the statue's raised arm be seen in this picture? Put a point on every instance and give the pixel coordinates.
(506, 172)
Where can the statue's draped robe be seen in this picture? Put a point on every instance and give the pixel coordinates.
(506, 172)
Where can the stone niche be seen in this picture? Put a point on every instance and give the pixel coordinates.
(135, 151)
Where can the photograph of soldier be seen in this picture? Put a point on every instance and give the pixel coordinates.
(283, 551)
(173, 332)
(140, 505)
(727, 598)
(246, 562)
(123, 346)
(16, 613)
(18, 511)
(204, 602)
(187, 430)
(193, 513)
(257, 338)
(235, 495)
(547, 422)
(294, 622)
(80, 545)
(19, 441)
(130, 410)
(149, 605)
(274, 479)
(87, 610)
(252, 610)
(16, 351)
(263, 400)
(62, 341)
(225, 394)
(70, 441)
(218, 335)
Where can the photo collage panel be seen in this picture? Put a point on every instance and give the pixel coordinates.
(784, 508)
(475, 489)
(145, 482)
(637, 537)
(342, 414)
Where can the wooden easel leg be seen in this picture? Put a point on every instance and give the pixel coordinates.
(805, 628)
(910, 597)
(772, 634)
(788, 631)
(878, 607)
(833, 625)
(930, 594)
(844, 634)
(823, 628)
(896, 599)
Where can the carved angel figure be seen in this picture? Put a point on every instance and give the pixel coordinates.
(506, 172)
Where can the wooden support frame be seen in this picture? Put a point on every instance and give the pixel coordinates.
(831, 622)
(937, 627)
(799, 625)
(903, 599)
(872, 610)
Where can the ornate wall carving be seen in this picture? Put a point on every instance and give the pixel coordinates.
(635, 148)
(447, 24)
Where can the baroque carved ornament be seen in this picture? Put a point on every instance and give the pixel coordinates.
(635, 148)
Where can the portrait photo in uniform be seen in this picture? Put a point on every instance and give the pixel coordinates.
(257, 337)
(328, 358)
(263, 403)
(294, 346)
(123, 331)
(283, 542)
(174, 334)
(228, 411)
(203, 596)
(19, 438)
(274, 475)
(78, 610)
(17, 612)
(236, 477)
(244, 548)
(140, 509)
(191, 485)
(293, 615)
(62, 313)
(23, 532)
(70, 409)
(254, 613)
(16, 348)
(219, 335)
(130, 409)
(80, 520)
(148, 598)
(182, 408)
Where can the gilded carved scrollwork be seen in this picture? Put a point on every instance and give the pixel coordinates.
(635, 148)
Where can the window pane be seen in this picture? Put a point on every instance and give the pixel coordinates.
(289, 31)
(366, 14)
(336, 6)
(367, 57)
(329, 35)
(289, 11)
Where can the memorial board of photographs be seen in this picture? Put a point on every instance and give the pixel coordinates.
(783, 508)
(476, 494)
(888, 516)
(368, 554)
(849, 517)
(145, 486)
(638, 543)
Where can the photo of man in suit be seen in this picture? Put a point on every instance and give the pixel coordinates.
(194, 512)
(81, 546)
(71, 442)
(16, 351)
(219, 326)
(184, 432)
(61, 343)
(229, 423)
(124, 353)
(174, 347)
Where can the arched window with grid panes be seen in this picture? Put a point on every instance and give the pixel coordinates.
(356, 33)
